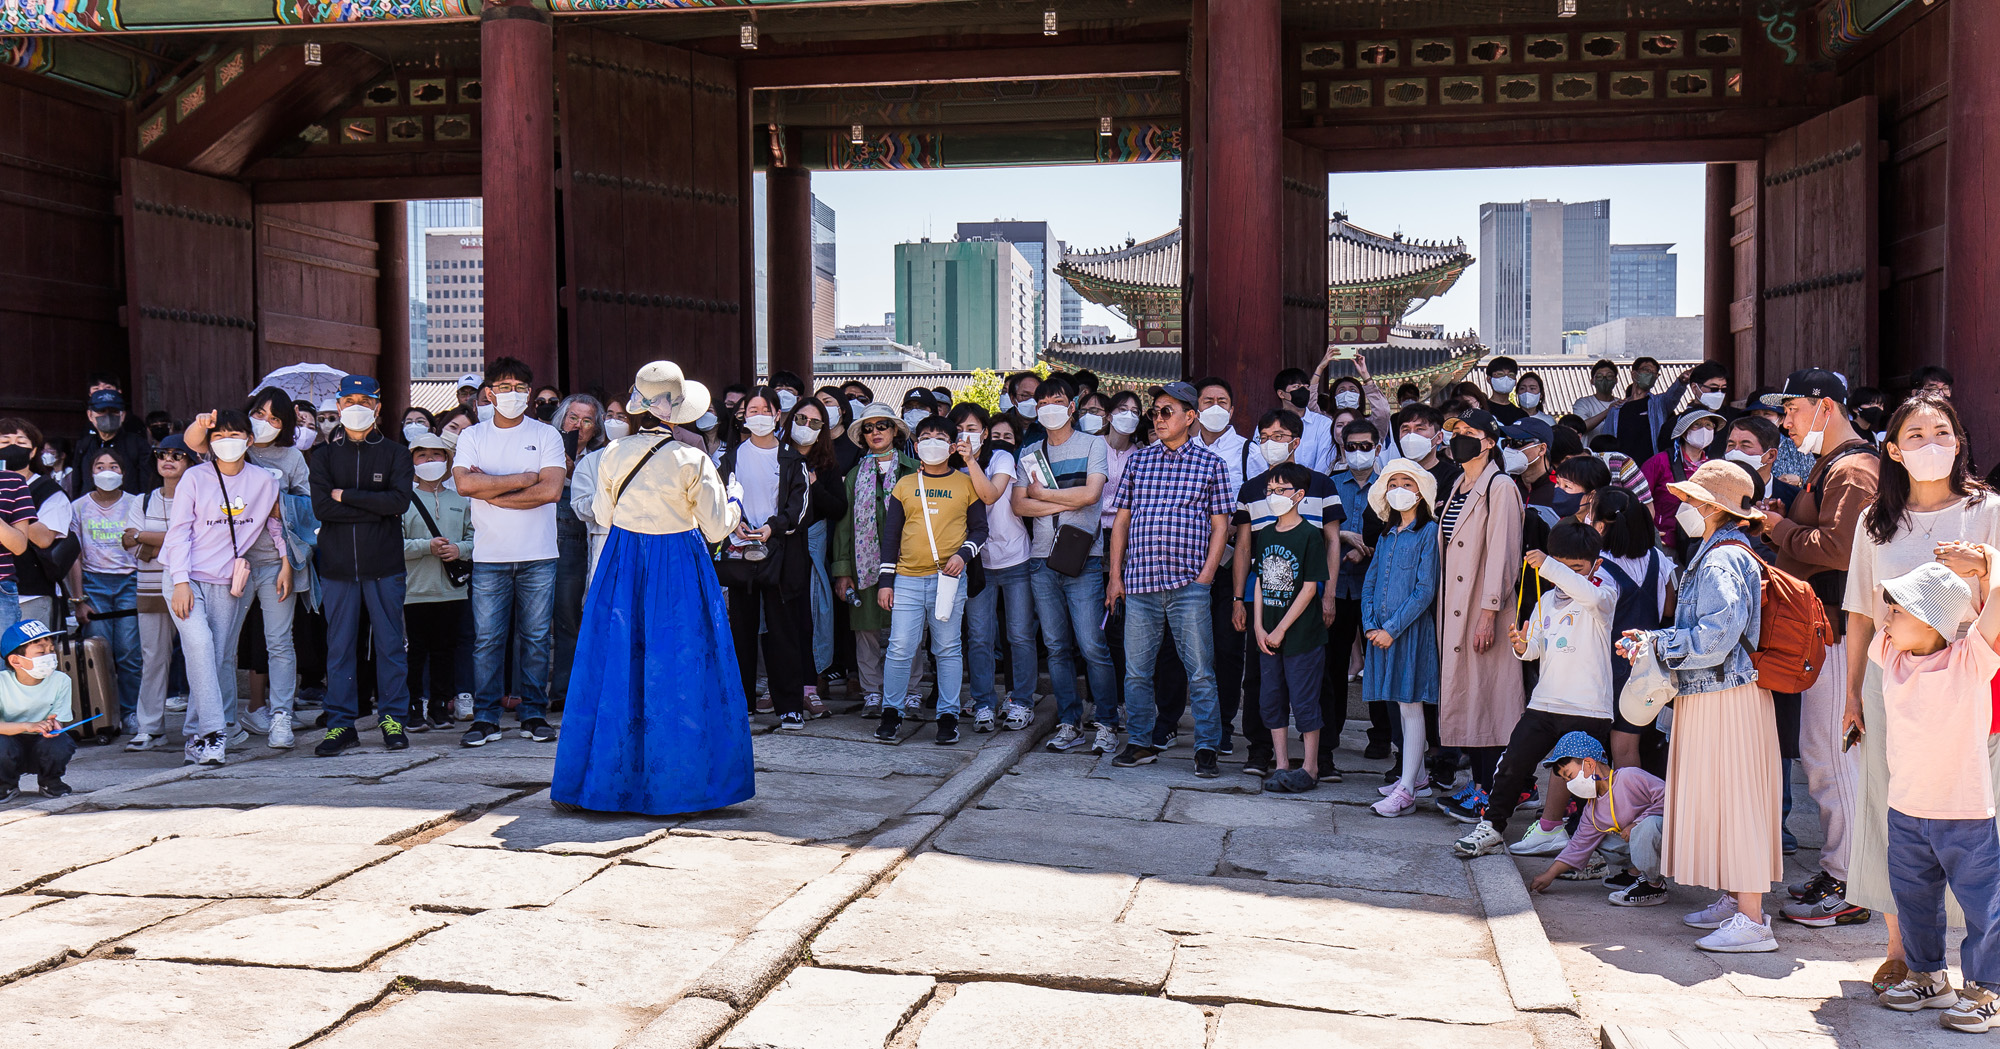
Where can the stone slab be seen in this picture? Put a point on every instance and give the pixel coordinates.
(35, 850)
(997, 890)
(487, 1021)
(1534, 975)
(346, 766)
(1086, 797)
(447, 878)
(1711, 1013)
(534, 823)
(830, 1009)
(361, 814)
(10, 906)
(796, 807)
(1356, 918)
(1817, 979)
(573, 959)
(1400, 984)
(162, 1005)
(1362, 863)
(1096, 842)
(1175, 770)
(1084, 956)
(303, 934)
(1015, 1016)
(200, 867)
(690, 1023)
(1236, 810)
(44, 937)
(829, 757)
(240, 792)
(498, 771)
(1262, 1027)
(1618, 1036)
(709, 891)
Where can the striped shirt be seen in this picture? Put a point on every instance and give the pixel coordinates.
(1171, 495)
(16, 508)
(1448, 521)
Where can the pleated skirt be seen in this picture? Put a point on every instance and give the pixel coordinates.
(653, 722)
(1724, 792)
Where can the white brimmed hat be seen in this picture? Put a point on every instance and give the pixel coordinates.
(429, 440)
(871, 413)
(1934, 594)
(1378, 493)
(661, 390)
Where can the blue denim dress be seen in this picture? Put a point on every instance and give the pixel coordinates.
(1398, 595)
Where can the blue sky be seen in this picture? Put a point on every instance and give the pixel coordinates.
(1098, 205)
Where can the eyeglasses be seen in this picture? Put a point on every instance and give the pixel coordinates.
(1164, 412)
(809, 421)
(1275, 490)
(160, 457)
(877, 426)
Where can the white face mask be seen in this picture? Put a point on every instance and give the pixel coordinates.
(1583, 786)
(513, 404)
(914, 416)
(1091, 423)
(1699, 437)
(326, 428)
(786, 399)
(1052, 416)
(972, 441)
(40, 667)
(1530, 401)
(1691, 519)
(803, 435)
(358, 417)
(761, 425)
(50, 458)
(1347, 399)
(262, 432)
(1400, 499)
(1360, 462)
(933, 450)
(1280, 504)
(1006, 404)
(1513, 460)
(229, 449)
(1712, 400)
(412, 431)
(614, 427)
(854, 406)
(450, 438)
(107, 480)
(1125, 422)
(1214, 418)
(1738, 455)
(431, 471)
(1502, 384)
(1817, 438)
(1931, 462)
(486, 413)
(1416, 446)
(1276, 452)
(704, 424)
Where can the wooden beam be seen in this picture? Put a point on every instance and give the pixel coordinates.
(1718, 343)
(1350, 146)
(1441, 158)
(933, 66)
(1972, 260)
(266, 104)
(392, 312)
(1245, 307)
(330, 190)
(789, 268)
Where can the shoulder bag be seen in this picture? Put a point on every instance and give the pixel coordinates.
(731, 567)
(239, 568)
(457, 572)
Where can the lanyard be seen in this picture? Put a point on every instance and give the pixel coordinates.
(1611, 802)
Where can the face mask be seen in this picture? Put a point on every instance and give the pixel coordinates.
(1699, 437)
(1871, 417)
(1931, 462)
(1502, 384)
(914, 416)
(262, 432)
(229, 449)
(412, 431)
(1584, 787)
(107, 423)
(1006, 404)
(1276, 452)
(450, 438)
(1052, 416)
(1214, 418)
(761, 425)
(854, 406)
(1738, 455)
(615, 428)
(107, 480)
(1513, 460)
(1604, 384)
(40, 667)
(1299, 397)
(832, 414)
(358, 417)
(50, 459)
(1347, 399)
(1465, 449)
(1360, 462)
(159, 431)
(972, 441)
(1530, 401)
(1691, 519)
(803, 435)
(786, 399)
(512, 404)
(1566, 504)
(1400, 500)
(705, 424)
(1645, 380)
(1416, 446)
(545, 410)
(1280, 504)
(1816, 439)
(14, 456)
(933, 450)
(486, 413)
(1091, 423)
(1125, 422)
(431, 471)
(1712, 400)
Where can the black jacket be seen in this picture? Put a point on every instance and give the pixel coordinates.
(788, 522)
(134, 448)
(361, 536)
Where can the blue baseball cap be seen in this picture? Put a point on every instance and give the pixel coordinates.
(1575, 745)
(107, 401)
(1183, 392)
(365, 385)
(25, 633)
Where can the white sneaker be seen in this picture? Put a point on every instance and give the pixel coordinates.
(1105, 741)
(210, 749)
(177, 704)
(1739, 935)
(1712, 916)
(238, 737)
(1019, 716)
(280, 737)
(982, 721)
(142, 741)
(1921, 991)
(461, 706)
(1066, 738)
(258, 721)
(1481, 840)
(1539, 842)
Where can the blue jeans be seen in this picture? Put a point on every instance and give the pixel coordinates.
(916, 596)
(1185, 611)
(344, 599)
(208, 639)
(982, 636)
(1925, 857)
(280, 654)
(512, 599)
(1071, 612)
(10, 604)
(108, 592)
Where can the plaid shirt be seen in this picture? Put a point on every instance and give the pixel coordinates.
(1171, 495)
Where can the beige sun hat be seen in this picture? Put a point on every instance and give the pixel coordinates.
(663, 392)
(873, 412)
(1723, 485)
(1378, 493)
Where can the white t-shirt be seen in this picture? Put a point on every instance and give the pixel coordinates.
(55, 513)
(757, 471)
(1585, 407)
(156, 510)
(529, 446)
(1006, 537)
(1570, 633)
(101, 532)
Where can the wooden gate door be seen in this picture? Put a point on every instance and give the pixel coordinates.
(653, 159)
(1305, 258)
(191, 300)
(1822, 273)
(316, 294)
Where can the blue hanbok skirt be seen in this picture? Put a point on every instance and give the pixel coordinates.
(654, 720)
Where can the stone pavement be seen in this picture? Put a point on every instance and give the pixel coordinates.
(983, 896)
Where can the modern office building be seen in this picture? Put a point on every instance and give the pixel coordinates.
(1038, 244)
(455, 300)
(1665, 337)
(971, 302)
(424, 216)
(1645, 280)
(1545, 269)
(825, 287)
(1072, 309)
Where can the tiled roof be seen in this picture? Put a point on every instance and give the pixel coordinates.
(1152, 263)
(1354, 256)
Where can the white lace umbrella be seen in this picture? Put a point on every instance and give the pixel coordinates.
(311, 383)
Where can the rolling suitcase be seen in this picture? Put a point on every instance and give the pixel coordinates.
(93, 684)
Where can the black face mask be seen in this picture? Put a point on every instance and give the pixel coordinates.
(545, 410)
(15, 456)
(1465, 449)
(1871, 417)
(1300, 396)
(159, 431)
(1566, 504)
(998, 446)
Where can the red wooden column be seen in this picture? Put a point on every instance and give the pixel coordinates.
(789, 272)
(1243, 310)
(1972, 259)
(518, 181)
(1194, 200)
(392, 310)
(1718, 290)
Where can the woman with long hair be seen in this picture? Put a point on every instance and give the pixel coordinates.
(855, 559)
(769, 544)
(1927, 497)
(806, 431)
(106, 574)
(1004, 565)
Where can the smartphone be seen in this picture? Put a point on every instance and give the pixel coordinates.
(1853, 736)
(569, 443)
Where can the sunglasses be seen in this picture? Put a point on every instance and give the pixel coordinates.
(1164, 413)
(810, 422)
(164, 456)
(878, 427)
(1357, 446)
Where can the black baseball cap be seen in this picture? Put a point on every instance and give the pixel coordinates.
(1482, 420)
(1183, 392)
(1810, 382)
(1531, 430)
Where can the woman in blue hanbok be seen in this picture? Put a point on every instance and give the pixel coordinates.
(654, 722)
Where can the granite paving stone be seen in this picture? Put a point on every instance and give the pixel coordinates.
(1310, 913)
(1262, 1027)
(1406, 984)
(534, 823)
(164, 1005)
(1087, 797)
(448, 878)
(798, 807)
(1259, 811)
(997, 890)
(44, 937)
(1097, 842)
(995, 1015)
(554, 956)
(204, 867)
(1362, 863)
(722, 898)
(360, 814)
(308, 934)
(1175, 770)
(829, 757)
(1092, 956)
(494, 771)
(35, 850)
(830, 1009)
(240, 792)
(346, 766)
(488, 1021)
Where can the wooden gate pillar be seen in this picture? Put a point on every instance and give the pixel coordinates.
(1719, 273)
(1972, 259)
(392, 311)
(518, 182)
(1243, 304)
(789, 268)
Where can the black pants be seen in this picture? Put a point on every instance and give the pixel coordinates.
(1170, 691)
(787, 643)
(1333, 683)
(1534, 736)
(45, 756)
(434, 628)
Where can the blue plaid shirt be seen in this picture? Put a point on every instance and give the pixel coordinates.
(1171, 495)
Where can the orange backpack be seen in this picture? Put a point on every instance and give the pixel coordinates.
(1793, 631)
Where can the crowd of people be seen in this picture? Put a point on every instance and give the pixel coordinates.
(1518, 592)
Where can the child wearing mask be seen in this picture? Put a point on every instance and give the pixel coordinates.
(34, 707)
(1400, 664)
(1291, 561)
(1624, 816)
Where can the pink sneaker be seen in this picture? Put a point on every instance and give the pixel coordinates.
(1400, 802)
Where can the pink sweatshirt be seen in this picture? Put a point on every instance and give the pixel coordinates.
(198, 546)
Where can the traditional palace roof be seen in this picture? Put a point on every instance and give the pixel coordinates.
(1357, 259)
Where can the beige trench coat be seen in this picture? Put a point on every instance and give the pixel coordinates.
(1480, 695)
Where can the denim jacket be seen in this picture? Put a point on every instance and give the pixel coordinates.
(1716, 624)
